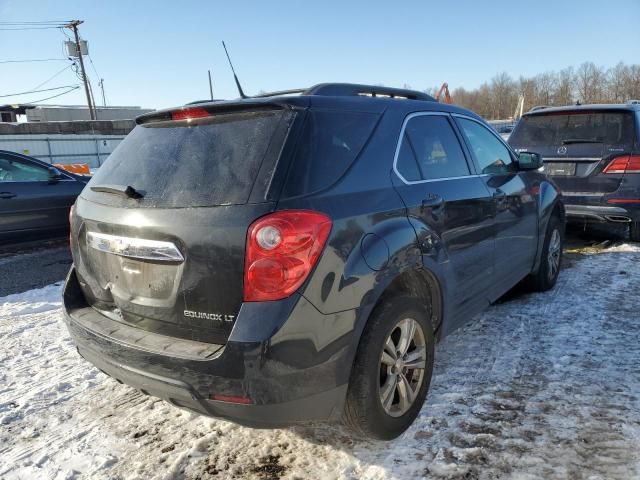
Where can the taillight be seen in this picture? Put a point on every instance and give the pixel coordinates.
(189, 113)
(282, 248)
(624, 164)
(230, 399)
(634, 164)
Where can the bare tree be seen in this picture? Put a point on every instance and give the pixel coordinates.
(527, 87)
(545, 88)
(616, 78)
(565, 87)
(632, 83)
(504, 95)
(589, 83)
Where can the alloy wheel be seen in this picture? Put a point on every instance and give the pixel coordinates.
(402, 364)
(553, 255)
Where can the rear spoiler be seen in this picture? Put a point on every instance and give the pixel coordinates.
(217, 108)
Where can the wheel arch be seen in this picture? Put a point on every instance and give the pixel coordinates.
(418, 283)
(550, 204)
(415, 281)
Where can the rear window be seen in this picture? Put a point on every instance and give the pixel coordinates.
(611, 128)
(203, 162)
(329, 144)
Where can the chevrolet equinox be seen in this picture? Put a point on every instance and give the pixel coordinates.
(293, 258)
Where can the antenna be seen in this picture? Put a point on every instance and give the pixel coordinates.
(210, 85)
(242, 95)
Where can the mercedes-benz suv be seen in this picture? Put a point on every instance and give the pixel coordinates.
(294, 258)
(592, 152)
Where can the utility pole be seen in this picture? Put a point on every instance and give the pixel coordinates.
(104, 99)
(210, 85)
(74, 26)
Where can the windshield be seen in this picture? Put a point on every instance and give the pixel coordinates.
(557, 128)
(203, 162)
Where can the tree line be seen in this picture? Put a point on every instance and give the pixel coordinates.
(588, 83)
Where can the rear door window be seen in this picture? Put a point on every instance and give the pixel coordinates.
(329, 144)
(12, 170)
(492, 155)
(557, 128)
(200, 162)
(430, 150)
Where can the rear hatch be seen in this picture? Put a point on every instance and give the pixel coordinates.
(167, 255)
(576, 146)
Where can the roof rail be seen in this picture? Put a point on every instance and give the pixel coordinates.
(538, 107)
(352, 89)
(204, 101)
(344, 90)
(280, 92)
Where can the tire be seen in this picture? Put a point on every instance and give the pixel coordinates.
(634, 232)
(364, 411)
(547, 275)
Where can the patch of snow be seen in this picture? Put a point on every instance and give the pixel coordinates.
(625, 248)
(538, 386)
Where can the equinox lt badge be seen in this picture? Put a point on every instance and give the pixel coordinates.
(217, 317)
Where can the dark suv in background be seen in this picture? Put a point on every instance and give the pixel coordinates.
(293, 258)
(592, 152)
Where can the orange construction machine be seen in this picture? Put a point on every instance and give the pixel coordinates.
(447, 97)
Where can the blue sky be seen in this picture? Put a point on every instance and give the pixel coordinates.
(156, 53)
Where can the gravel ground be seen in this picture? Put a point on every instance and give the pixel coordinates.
(538, 386)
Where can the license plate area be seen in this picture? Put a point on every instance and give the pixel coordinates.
(560, 168)
(135, 272)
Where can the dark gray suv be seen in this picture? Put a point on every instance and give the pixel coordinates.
(294, 258)
(592, 152)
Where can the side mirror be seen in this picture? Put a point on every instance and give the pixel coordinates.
(529, 161)
(54, 175)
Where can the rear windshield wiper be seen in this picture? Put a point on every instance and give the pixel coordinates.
(579, 140)
(124, 190)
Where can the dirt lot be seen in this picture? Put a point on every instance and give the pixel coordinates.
(538, 386)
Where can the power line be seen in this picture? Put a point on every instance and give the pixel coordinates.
(34, 22)
(57, 95)
(52, 77)
(29, 28)
(93, 66)
(100, 83)
(36, 91)
(35, 60)
(62, 30)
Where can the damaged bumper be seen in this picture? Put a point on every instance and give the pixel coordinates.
(270, 373)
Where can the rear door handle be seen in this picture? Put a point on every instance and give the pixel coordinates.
(432, 200)
(7, 195)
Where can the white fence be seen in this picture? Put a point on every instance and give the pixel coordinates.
(73, 148)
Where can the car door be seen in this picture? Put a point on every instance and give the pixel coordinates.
(30, 200)
(451, 204)
(515, 202)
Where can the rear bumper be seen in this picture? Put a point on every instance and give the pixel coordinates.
(602, 213)
(609, 203)
(181, 394)
(289, 373)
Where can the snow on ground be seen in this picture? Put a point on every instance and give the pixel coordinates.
(538, 386)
